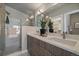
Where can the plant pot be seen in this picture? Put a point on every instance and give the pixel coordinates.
(42, 31)
(51, 30)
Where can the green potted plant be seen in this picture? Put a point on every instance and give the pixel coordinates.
(50, 25)
(43, 25)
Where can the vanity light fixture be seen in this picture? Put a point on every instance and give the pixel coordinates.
(40, 11)
(31, 17)
(27, 19)
(47, 16)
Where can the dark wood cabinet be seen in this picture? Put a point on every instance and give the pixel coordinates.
(67, 53)
(38, 47)
(44, 52)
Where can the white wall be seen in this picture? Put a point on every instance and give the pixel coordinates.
(66, 23)
(25, 30)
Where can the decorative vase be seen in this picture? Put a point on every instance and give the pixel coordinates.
(42, 32)
(51, 30)
(7, 20)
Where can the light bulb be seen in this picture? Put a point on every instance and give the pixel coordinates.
(27, 19)
(41, 10)
(31, 17)
(38, 13)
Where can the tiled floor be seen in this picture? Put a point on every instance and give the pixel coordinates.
(20, 53)
(12, 45)
(10, 50)
(13, 48)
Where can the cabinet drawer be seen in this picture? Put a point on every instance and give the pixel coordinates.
(35, 41)
(56, 51)
(44, 52)
(48, 47)
(42, 44)
(67, 53)
(35, 51)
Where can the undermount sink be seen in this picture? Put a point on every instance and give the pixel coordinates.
(64, 41)
(61, 40)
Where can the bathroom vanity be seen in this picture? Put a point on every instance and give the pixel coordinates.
(51, 46)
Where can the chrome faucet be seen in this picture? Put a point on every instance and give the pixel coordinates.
(64, 36)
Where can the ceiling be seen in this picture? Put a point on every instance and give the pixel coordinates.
(27, 8)
(30, 8)
(53, 7)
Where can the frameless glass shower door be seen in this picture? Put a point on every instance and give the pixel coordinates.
(13, 36)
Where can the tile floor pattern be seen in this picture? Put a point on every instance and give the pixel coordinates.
(12, 45)
(10, 50)
(20, 53)
(14, 52)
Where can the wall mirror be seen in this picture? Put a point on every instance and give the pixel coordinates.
(65, 18)
(71, 21)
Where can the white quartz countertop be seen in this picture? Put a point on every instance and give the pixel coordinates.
(71, 45)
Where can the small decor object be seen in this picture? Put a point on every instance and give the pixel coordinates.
(7, 20)
(50, 25)
(43, 25)
(76, 25)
